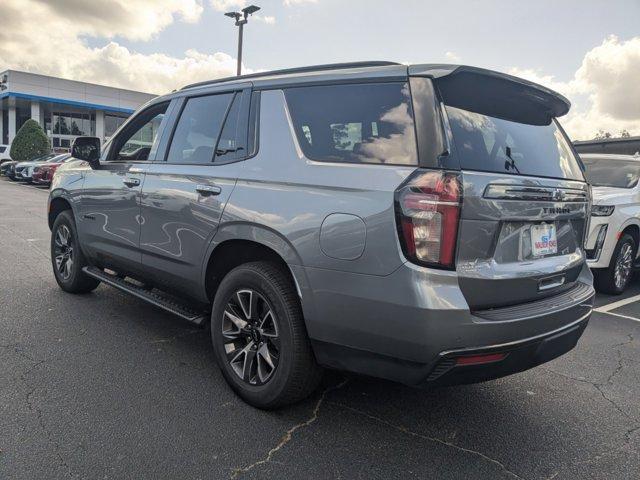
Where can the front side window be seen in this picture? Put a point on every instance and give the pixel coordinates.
(136, 140)
(198, 129)
(360, 123)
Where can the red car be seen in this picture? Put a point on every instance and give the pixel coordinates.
(43, 174)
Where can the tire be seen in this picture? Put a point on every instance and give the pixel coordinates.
(64, 247)
(610, 280)
(277, 331)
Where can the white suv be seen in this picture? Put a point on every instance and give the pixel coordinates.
(614, 233)
(4, 153)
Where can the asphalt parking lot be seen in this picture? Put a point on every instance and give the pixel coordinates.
(106, 386)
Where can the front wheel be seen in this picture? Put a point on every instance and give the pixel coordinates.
(615, 279)
(259, 337)
(67, 258)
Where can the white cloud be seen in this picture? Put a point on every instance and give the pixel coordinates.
(228, 5)
(452, 57)
(59, 49)
(605, 90)
(289, 3)
(268, 19)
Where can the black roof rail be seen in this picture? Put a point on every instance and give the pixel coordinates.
(286, 71)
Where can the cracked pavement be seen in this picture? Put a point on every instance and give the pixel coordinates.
(105, 386)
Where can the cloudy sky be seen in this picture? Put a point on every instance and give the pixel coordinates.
(588, 50)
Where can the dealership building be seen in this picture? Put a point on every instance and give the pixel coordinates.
(65, 109)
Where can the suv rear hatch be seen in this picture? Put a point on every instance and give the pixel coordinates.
(524, 199)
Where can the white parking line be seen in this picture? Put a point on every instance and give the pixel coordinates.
(606, 309)
(620, 303)
(621, 316)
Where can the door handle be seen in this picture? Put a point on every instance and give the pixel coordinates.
(131, 182)
(208, 189)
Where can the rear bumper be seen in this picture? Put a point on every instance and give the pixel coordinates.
(411, 327)
(519, 356)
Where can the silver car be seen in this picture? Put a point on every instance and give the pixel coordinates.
(423, 224)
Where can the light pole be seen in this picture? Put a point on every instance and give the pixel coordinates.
(241, 18)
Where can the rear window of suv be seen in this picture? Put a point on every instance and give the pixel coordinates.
(619, 174)
(356, 123)
(491, 144)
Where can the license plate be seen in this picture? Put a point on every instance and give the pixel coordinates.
(543, 240)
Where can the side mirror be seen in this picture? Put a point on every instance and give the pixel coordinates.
(88, 149)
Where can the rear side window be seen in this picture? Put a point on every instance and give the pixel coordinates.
(230, 145)
(362, 123)
(2, 149)
(198, 129)
(491, 144)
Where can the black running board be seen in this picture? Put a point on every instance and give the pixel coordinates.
(154, 297)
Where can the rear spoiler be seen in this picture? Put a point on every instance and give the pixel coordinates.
(494, 94)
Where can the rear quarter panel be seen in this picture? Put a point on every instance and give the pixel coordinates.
(282, 199)
(287, 196)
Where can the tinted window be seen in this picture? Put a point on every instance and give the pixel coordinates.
(2, 149)
(139, 135)
(254, 121)
(603, 173)
(365, 123)
(196, 134)
(491, 144)
(231, 145)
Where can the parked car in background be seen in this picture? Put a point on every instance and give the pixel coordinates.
(4, 153)
(24, 170)
(614, 233)
(423, 224)
(43, 173)
(8, 169)
(5, 167)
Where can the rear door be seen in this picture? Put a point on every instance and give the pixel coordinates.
(186, 191)
(525, 201)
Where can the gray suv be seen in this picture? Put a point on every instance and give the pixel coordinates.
(423, 224)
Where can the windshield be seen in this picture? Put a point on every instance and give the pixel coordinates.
(620, 174)
(491, 144)
(43, 158)
(58, 158)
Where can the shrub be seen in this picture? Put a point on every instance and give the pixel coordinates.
(30, 142)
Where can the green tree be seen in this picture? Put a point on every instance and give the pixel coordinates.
(601, 135)
(30, 142)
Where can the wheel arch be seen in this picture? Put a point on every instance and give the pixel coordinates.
(57, 205)
(633, 229)
(239, 243)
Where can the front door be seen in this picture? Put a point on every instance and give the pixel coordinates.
(110, 206)
(185, 194)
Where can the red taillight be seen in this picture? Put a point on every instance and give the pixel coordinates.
(480, 359)
(427, 210)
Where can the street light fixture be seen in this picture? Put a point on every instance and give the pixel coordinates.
(241, 18)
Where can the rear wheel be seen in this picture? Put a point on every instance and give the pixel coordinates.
(67, 258)
(260, 339)
(615, 279)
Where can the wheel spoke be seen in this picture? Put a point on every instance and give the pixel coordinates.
(245, 301)
(235, 320)
(268, 325)
(263, 351)
(249, 364)
(69, 264)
